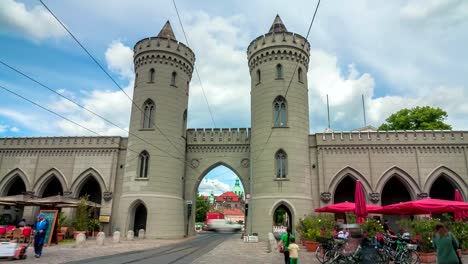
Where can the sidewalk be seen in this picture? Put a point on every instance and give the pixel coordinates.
(69, 252)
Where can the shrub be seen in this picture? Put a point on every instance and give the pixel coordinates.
(82, 215)
(372, 227)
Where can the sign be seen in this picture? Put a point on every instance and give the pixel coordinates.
(279, 229)
(51, 216)
(188, 202)
(104, 218)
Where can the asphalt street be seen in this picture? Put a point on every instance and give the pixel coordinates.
(185, 252)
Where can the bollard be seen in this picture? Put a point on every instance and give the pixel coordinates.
(80, 239)
(100, 238)
(141, 234)
(130, 235)
(116, 237)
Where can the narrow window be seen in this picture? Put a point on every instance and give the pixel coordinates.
(143, 166)
(151, 75)
(259, 77)
(280, 164)
(148, 114)
(279, 112)
(136, 79)
(299, 75)
(187, 88)
(279, 71)
(173, 79)
(184, 124)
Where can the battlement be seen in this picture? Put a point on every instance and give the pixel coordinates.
(218, 136)
(62, 142)
(165, 45)
(276, 40)
(400, 137)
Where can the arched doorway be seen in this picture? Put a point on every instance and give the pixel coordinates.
(139, 218)
(52, 187)
(13, 214)
(394, 191)
(344, 192)
(16, 186)
(282, 219)
(442, 188)
(92, 190)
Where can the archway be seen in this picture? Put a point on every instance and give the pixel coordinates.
(282, 218)
(394, 191)
(52, 187)
(16, 186)
(443, 188)
(344, 192)
(139, 218)
(92, 189)
(13, 214)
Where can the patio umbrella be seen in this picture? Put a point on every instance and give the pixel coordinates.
(344, 207)
(460, 215)
(62, 201)
(360, 210)
(423, 206)
(20, 199)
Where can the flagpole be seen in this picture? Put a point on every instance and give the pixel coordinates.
(364, 110)
(328, 112)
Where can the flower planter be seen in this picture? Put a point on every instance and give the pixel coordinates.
(429, 257)
(311, 246)
(465, 252)
(60, 236)
(303, 242)
(75, 234)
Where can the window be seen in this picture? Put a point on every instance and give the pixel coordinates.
(136, 79)
(279, 112)
(299, 75)
(173, 79)
(259, 77)
(187, 93)
(148, 114)
(143, 166)
(184, 124)
(151, 75)
(280, 164)
(279, 71)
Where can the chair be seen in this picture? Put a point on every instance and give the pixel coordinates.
(11, 228)
(3, 231)
(26, 234)
(16, 234)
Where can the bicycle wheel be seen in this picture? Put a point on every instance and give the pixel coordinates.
(408, 257)
(319, 254)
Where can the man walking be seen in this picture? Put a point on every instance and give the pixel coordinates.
(41, 229)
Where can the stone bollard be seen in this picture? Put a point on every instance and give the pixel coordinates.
(141, 234)
(130, 235)
(100, 238)
(116, 237)
(80, 239)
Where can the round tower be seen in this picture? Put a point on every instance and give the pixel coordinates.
(278, 64)
(152, 188)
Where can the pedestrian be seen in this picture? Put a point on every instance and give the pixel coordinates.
(41, 229)
(22, 223)
(445, 245)
(293, 251)
(283, 244)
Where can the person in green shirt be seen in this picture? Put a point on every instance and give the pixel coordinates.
(284, 243)
(445, 245)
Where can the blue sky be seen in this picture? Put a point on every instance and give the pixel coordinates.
(401, 53)
(219, 180)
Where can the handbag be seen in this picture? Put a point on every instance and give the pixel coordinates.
(281, 249)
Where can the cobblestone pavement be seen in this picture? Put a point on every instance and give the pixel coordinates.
(69, 252)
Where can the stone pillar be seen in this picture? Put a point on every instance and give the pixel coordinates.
(116, 237)
(141, 234)
(100, 238)
(80, 239)
(130, 235)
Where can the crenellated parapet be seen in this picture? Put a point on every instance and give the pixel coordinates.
(278, 46)
(218, 136)
(59, 143)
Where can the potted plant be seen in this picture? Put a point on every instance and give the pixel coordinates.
(372, 227)
(311, 232)
(82, 217)
(423, 230)
(61, 229)
(94, 227)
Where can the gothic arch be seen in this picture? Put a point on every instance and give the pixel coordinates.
(286, 203)
(354, 174)
(10, 177)
(452, 177)
(42, 181)
(214, 165)
(83, 177)
(131, 213)
(403, 176)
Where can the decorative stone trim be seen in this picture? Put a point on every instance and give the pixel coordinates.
(107, 196)
(194, 163)
(374, 197)
(423, 195)
(218, 148)
(67, 194)
(325, 197)
(245, 163)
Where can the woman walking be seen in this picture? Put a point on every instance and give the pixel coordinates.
(445, 245)
(283, 244)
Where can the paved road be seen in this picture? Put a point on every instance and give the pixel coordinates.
(185, 252)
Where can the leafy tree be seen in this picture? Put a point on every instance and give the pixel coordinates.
(418, 118)
(202, 208)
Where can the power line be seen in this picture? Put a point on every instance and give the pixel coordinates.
(290, 81)
(108, 75)
(195, 67)
(81, 106)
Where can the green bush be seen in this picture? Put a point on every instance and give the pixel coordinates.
(372, 227)
(312, 227)
(82, 215)
(94, 225)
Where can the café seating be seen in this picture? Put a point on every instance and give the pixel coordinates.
(16, 234)
(3, 231)
(26, 233)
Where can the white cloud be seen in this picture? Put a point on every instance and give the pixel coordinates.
(3, 128)
(215, 185)
(119, 59)
(14, 129)
(36, 23)
(444, 12)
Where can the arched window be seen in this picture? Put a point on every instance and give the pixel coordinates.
(280, 164)
(148, 114)
(184, 124)
(279, 71)
(299, 75)
(173, 78)
(143, 164)
(259, 77)
(279, 112)
(187, 93)
(136, 79)
(151, 75)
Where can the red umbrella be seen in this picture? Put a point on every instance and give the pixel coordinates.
(423, 206)
(360, 210)
(460, 215)
(345, 207)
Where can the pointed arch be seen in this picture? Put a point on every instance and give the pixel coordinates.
(83, 177)
(259, 76)
(281, 164)
(280, 112)
(143, 164)
(279, 71)
(451, 176)
(46, 177)
(174, 78)
(214, 165)
(148, 113)
(408, 181)
(354, 174)
(299, 75)
(289, 205)
(132, 210)
(151, 75)
(9, 179)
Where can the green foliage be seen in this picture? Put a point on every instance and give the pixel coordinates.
(422, 231)
(61, 221)
(94, 225)
(202, 207)
(278, 217)
(459, 229)
(82, 215)
(312, 227)
(351, 218)
(418, 118)
(372, 227)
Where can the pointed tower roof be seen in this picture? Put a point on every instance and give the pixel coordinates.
(166, 32)
(278, 26)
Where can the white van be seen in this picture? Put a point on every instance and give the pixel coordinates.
(220, 225)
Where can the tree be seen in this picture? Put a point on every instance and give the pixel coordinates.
(202, 208)
(418, 118)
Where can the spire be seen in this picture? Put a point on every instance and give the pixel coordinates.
(278, 26)
(166, 32)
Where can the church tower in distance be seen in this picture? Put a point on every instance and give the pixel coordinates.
(278, 63)
(152, 188)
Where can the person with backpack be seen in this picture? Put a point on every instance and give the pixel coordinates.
(283, 244)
